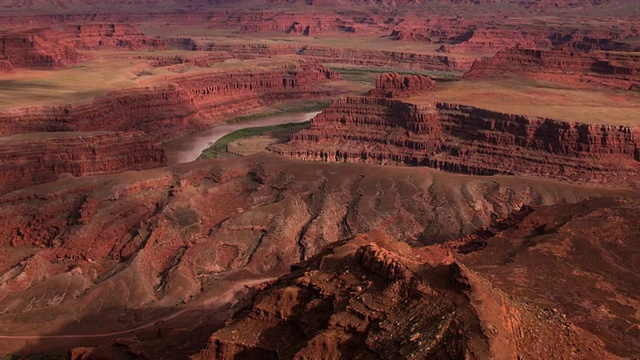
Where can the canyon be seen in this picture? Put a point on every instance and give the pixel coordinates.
(137, 119)
(175, 104)
(468, 186)
(467, 139)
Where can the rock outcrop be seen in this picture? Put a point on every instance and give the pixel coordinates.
(617, 70)
(374, 298)
(39, 49)
(393, 85)
(487, 41)
(111, 36)
(468, 140)
(30, 159)
(6, 67)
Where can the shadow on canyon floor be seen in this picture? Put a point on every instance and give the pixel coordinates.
(158, 333)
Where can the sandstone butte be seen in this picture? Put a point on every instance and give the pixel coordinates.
(179, 243)
(392, 85)
(466, 139)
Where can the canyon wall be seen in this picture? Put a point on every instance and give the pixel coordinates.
(176, 104)
(6, 67)
(617, 70)
(37, 49)
(469, 140)
(38, 158)
(97, 36)
(48, 48)
(336, 55)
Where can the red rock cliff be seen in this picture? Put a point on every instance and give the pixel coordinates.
(616, 70)
(176, 105)
(41, 49)
(111, 36)
(468, 140)
(392, 85)
(37, 158)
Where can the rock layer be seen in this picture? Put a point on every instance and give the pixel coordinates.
(97, 36)
(617, 70)
(175, 105)
(37, 158)
(337, 55)
(38, 49)
(392, 85)
(469, 140)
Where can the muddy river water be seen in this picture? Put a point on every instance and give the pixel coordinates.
(187, 148)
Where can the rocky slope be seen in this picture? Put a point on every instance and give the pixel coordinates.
(617, 70)
(41, 157)
(376, 298)
(579, 260)
(129, 249)
(468, 140)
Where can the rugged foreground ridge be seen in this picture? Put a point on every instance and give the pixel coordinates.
(109, 253)
(41, 157)
(376, 298)
(468, 140)
(579, 260)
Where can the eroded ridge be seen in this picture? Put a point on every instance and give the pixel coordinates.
(352, 300)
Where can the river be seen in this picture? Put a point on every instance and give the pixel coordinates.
(187, 148)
